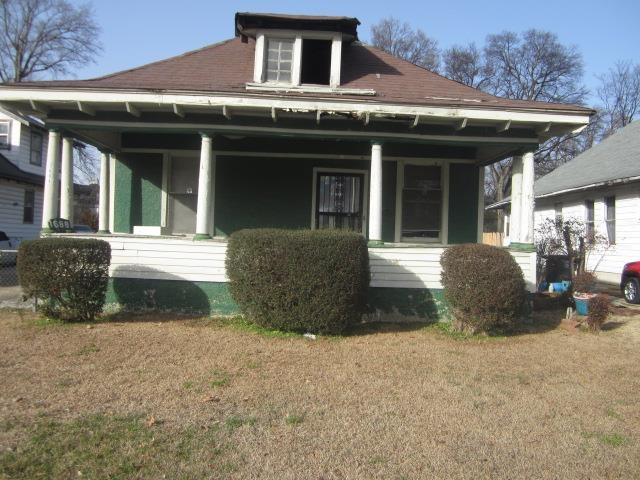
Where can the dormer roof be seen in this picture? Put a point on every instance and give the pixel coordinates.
(247, 24)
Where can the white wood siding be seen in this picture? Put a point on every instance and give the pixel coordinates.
(20, 151)
(11, 211)
(165, 258)
(606, 262)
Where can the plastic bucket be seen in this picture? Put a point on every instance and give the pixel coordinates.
(582, 306)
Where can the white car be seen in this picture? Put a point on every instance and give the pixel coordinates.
(8, 253)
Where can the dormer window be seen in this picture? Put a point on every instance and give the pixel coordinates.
(279, 61)
(298, 59)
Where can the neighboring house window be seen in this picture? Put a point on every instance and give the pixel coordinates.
(558, 211)
(610, 218)
(590, 220)
(27, 209)
(279, 61)
(36, 149)
(5, 131)
(422, 203)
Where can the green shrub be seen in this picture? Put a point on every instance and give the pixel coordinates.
(484, 287)
(299, 280)
(598, 311)
(68, 276)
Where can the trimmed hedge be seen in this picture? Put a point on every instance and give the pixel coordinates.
(68, 275)
(483, 285)
(299, 280)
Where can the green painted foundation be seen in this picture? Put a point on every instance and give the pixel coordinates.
(208, 298)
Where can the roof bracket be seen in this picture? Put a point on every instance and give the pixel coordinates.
(178, 110)
(39, 107)
(274, 114)
(503, 127)
(226, 111)
(366, 118)
(132, 109)
(86, 109)
(461, 124)
(544, 129)
(416, 120)
(318, 115)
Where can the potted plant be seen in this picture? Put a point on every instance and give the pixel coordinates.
(583, 285)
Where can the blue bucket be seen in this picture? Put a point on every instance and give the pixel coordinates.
(582, 306)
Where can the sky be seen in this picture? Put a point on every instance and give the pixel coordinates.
(135, 32)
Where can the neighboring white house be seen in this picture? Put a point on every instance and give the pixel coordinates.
(23, 146)
(602, 188)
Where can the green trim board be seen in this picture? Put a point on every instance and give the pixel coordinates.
(385, 304)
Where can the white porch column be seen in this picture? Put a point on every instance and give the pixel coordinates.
(516, 200)
(66, 180)
(375, 194)
(205, 190)
(103, 209)
(528, 200)
(50, 201)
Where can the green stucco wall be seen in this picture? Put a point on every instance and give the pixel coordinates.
(463, 203)
(209, 298)
(138, 191)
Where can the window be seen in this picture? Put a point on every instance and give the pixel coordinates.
(422, 203)
(316, 62)
(589, 220)
(5, 130)
(557, 207)
(27, 209)
(36, 148)
(279, 60)
(339, 200)
(610, 218)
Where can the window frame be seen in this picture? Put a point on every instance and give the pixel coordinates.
(33, 134)
(6, 146)
(25, 220)
(610, 222)
(261, 54)
(348, 171)
(444, 204)
(279, 70)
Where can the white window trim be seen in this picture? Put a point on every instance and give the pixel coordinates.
(365, 193)
(6, 146)
(444, 178)
(259, 70)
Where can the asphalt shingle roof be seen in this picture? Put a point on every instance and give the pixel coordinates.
(9, 171)
(615, 158)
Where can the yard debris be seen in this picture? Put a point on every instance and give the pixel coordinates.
(151, 421)
(310, 336)
(211, 398)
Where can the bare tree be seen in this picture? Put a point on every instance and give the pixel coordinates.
(530, 66)
(619, 93)
(467, 65)
(85, 163)
(45, 37)
(401, 40)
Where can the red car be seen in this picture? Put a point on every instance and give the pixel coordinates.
(630, 282)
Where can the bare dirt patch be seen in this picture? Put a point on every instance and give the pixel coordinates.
(202, 398)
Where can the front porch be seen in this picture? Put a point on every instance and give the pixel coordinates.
(176, 273)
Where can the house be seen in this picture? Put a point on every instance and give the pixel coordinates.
(293, 123)
(23, 143)
(602, 188)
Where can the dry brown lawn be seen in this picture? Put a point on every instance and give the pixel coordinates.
(167, 397)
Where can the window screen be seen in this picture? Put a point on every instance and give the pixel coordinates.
(610, 218)
(279, 60)
(36, 149)
(589, 222)
(27, 209)
(422, 203)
